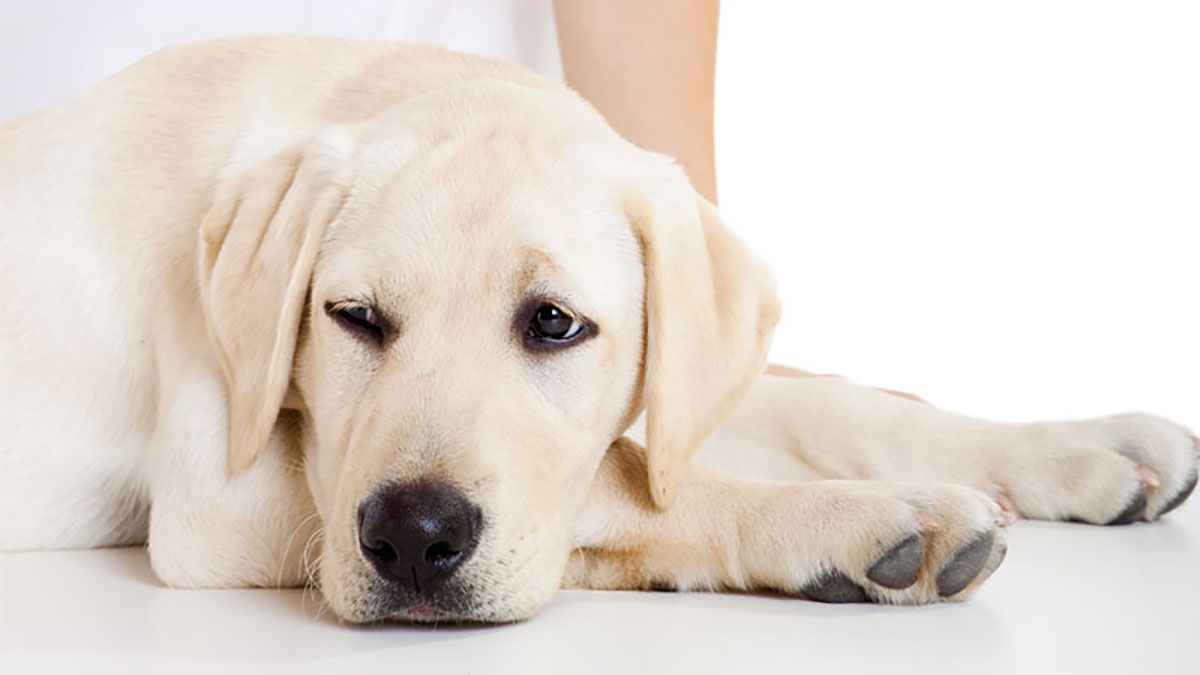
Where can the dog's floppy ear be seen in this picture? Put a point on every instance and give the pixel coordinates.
(711, 308)
(258, 244)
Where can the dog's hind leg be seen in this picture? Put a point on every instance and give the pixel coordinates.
(1113, 469)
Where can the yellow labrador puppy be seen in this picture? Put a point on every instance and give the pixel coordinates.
(381, 316)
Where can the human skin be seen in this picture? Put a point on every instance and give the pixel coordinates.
(649, 68)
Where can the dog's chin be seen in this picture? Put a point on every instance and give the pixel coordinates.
(427, 612)
(430, 614)
(386, 603)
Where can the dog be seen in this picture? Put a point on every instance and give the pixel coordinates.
(418, 327)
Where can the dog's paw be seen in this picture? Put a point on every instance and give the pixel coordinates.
(1111, 470)
(900, 543)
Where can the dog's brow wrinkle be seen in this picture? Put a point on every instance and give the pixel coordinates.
(536, 257)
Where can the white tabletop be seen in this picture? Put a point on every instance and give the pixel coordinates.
(1069, 598)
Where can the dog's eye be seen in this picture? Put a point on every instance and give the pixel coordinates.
(359, 319)
(553, 324)
(544, 325)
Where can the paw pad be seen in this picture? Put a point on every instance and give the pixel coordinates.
(835, 587)
(899, 567)
(965, 566)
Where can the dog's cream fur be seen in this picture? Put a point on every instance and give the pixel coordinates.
(170, 239)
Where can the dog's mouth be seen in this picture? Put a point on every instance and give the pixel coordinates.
(423, 612)
(426, 613)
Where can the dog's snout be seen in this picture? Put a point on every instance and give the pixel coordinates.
(417, 534)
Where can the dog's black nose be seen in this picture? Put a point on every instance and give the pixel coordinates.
(417, 534)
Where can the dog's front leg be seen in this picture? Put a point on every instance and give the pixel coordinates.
(211, 527)
(836, 541)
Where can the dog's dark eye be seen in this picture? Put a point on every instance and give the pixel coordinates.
(551, 323)
(544, 325)
(359, 319)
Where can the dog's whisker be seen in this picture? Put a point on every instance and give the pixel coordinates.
(284, 557)
(312, 587)
(310, 566)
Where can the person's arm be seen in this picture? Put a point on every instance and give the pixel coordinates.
(648, 66)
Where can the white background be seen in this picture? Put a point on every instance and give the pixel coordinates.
(995, 205)
(992, 204)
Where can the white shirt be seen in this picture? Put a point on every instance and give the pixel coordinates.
(50, 49)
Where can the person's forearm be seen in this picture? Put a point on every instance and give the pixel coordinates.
(648, 66)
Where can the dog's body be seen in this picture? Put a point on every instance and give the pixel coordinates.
(267, 297)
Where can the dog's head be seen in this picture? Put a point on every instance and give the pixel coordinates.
(468, 298)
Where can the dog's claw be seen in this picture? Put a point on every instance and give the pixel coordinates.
(1148, 477)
